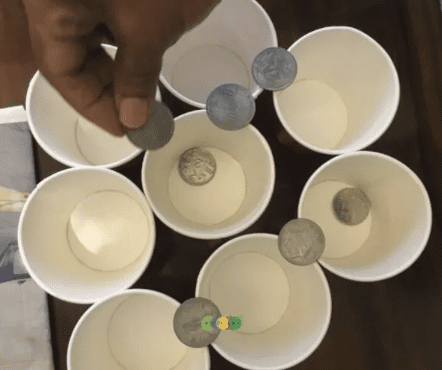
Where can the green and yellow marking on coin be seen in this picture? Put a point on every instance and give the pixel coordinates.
(205, 323)
(222, 323)
(235, 323)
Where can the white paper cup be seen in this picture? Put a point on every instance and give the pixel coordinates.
(43, 242)
(400, 209)
(247, 146)
(301, 329)
(218, 51)
(343, 74)
(89, 347)
(53, 123)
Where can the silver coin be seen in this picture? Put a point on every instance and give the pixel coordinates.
(351, 206)
(188, 326)
(301, 242)
(157, 132)
(274, 68)
(230, 107)
(197, 166)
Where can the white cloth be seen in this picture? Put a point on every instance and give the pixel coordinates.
(25, 342)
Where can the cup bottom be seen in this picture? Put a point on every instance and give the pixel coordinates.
(139, 333)
(316, 112)
(214, 202)
(340, 240)
(260, 300)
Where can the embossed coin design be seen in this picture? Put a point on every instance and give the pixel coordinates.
(157, 132)
(351, 206)
(301, 242)
(197, 166)
(274, 68)
(230, 107)
(187, 322)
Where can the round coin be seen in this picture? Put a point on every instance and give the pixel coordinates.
(351, 206)
(274, 68)
(188, 326)
(301, 241)
(157, 132)
(197, 166)
(230, 107)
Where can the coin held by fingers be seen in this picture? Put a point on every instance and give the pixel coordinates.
(157, 132)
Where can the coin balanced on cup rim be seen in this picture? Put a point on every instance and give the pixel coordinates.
(187, 322)
(274, 69)
(230, 106)
(301, 241)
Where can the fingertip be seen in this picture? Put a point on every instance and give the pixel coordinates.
(135, 112)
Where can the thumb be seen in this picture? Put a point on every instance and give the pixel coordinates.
(137, 69)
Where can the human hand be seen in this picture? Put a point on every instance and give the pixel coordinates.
(16, 57)
(66, 36)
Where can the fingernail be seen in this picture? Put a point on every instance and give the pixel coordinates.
(134, 112)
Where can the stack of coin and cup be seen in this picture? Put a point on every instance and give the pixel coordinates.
(374, 211)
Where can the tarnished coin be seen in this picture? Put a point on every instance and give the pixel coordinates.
(157, 132)
(274, 68)
(197, 166)
(188, 326)
(301, 241)
(230, 107)
(351, 206)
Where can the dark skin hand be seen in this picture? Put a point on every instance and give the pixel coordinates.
(62, 38)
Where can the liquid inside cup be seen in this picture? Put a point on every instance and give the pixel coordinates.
(340, 240)
(107, 230)
(215, 201)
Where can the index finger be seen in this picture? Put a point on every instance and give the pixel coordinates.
(68, 53)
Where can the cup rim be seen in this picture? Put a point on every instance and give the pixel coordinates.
(322, 276)
(238, 226)
(144, 262)
(98, 304)
(391, 114)
(47, 148)
(416, 179)
(255, 94)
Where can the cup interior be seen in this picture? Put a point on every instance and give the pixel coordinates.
(55, 125)
(300, 330)
(44, 245)
(400, 208)
(359, 71)
(218, 51)
(195, 129)
(89, 347)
